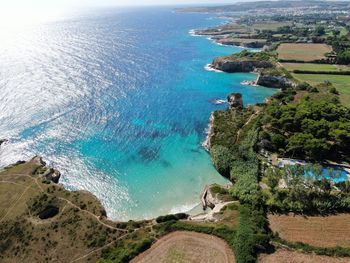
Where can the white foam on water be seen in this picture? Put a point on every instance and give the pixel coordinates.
(209, 67)
(183, 208)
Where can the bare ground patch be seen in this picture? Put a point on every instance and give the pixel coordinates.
(284, 255)
(320, 231)
(303, 52)
(187, 247)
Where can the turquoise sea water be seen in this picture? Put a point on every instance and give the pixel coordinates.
(118, 100)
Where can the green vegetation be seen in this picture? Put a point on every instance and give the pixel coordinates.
(127, 249)
(327, 251)
(241, 160)
(311, 194)
(310, 129)
(310, 67)
(161, 219)
(251, 234)
(258, 56)
(341, 83)
(303, 122)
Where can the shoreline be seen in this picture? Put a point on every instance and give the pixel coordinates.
(209, 133)
(206, 144)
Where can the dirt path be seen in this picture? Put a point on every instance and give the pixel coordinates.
(16, 202)
(254, 115)
(187, 247)
(63, 199)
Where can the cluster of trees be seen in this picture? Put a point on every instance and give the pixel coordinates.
(260, 56)
(308, 190)
(341, 45)
(251, 233)
(343, 57)
(312, 129)
(240, 161)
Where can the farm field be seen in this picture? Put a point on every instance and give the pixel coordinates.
(341, 83)
(312, 67)
(319, 231)
(284, 255)
(187, 247)
(270, 26)
(303, 52)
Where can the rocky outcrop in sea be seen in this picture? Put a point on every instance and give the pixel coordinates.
(235, 100)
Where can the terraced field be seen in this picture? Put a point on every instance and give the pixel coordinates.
(319, 231)
(283, 255)
(303, 52)
(187, 247)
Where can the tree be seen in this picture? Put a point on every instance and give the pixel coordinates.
(344, 57)
(320, 31)
(222, 160)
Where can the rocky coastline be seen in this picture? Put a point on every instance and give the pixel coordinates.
(209, 133)
(263, 68)
(223, 35)
(230, 64)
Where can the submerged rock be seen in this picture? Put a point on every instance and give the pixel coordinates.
(2, 141)
(235, 100)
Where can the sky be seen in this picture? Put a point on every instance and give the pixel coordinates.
(71, 3)
(14, 13)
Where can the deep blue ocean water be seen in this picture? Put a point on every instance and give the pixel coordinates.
(118, 100)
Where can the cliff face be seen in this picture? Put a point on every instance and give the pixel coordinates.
(235, 100)
(229, 65)
(274, 81)
(242, 42)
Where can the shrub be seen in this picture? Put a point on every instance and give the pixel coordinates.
(221, 157)
(179, 216)
(303, 86)
(334, 91)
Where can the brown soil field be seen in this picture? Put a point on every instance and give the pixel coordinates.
(303, 52)
(187, 247)
(320, 231)
(283, 255)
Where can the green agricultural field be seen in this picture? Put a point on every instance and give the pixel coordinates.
(270, 26)
(310, 67)
(340, 82)
(314, 67)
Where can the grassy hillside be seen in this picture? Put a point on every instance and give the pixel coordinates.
(40, 221)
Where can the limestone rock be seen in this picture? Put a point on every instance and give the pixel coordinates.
(235, 100)
(2, 141)
(209, 199)
(279, 82)
(52, 175)
(230, 65)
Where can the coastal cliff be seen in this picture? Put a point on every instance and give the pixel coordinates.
(41, 221)
(232, 65)
(263, 63)
(241, 42)
(274, 81)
